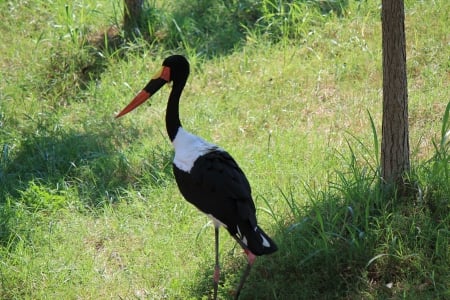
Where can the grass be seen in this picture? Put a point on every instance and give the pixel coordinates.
(88, 205)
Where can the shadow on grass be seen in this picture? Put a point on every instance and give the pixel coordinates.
(352, 241)
(89, 162)
(58, 160)
(216, 28)
(324, 249)
(322, 254)
(50, 170)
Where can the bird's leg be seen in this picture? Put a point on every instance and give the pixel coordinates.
(250, 259)
(217, 266)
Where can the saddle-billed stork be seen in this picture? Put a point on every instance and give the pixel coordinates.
(207, 176)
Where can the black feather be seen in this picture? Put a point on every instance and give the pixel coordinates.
(217, 186)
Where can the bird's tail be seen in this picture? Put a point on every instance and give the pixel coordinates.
(255, 240)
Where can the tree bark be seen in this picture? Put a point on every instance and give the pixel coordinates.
(132, 16)
(395, 135)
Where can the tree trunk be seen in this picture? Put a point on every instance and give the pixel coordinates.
(395, 135)
(132, 16)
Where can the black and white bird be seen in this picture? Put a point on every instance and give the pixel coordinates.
(207, 176)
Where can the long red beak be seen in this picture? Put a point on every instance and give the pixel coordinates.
(160, 79)
(138, 100)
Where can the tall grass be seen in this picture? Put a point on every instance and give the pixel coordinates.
(194, 24)
(351, 241)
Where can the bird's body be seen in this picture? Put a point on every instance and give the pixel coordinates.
(206, 175)
(209, 178)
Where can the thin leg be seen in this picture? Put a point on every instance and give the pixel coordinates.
(251, 259)
(217, 266)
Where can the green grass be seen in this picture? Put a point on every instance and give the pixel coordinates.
(88, 204)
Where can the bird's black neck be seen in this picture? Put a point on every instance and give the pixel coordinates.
(173, 122)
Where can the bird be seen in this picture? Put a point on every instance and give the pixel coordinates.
(207, 176)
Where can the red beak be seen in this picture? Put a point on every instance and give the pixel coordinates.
(152, 87)
(138, 100)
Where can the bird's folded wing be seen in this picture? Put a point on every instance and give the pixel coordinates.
(218, 171)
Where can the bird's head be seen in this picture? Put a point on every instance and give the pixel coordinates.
(174, 69)
(179, 68)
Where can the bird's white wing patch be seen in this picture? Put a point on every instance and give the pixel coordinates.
(241, 236)
(188, 148)
(265, 241)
